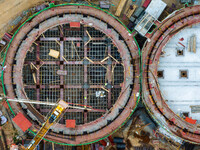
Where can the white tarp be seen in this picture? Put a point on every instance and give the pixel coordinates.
(144, 24)
(156, 8)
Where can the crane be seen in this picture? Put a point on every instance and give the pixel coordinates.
(54, 116)
(52, 119)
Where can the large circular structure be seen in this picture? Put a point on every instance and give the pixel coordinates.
(170, 74)
(79, 54)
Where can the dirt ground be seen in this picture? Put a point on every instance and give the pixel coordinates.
(10, 9)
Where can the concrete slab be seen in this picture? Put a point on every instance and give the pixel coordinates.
(181, 92)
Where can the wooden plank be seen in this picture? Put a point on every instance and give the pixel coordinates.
(120, 7)
(194, 44)
(54, 53)
(33, 74)
(189, 45)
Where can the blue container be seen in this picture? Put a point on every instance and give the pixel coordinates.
(118, 140)
(121, 146)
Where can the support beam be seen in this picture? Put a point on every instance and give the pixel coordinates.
(38, 73)
(61, 65)
(69, 86)
(109, 75)
(85, 77)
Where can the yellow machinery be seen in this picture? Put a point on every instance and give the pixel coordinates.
(59, 109)
(57, 112)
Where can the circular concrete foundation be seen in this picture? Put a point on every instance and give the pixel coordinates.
(79, 54)
(153, 51)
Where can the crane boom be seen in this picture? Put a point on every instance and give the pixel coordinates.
(27, 101)
(47, 103)
(59, 109)
(57, 112)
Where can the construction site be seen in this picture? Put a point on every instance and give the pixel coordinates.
(99, 75)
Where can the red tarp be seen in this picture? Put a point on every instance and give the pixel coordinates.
(22, 122)
(101, 148)
(5, 104)
(190, 120)
(103, 142)
(146, 3)
(111, 140)
(70, 123)
(173, 120)
(75, 24)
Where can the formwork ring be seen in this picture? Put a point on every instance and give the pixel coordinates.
(35, 29)
(152, 96)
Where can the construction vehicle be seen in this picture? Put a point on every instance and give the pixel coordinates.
(52, 119)
(55, 115)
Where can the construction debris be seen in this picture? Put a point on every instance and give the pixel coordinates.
(33, 73)
(104, 4)
(62, 72)
(3, 119)
(54, 53)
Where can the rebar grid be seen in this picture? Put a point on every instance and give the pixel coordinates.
(78, 116)
(73, 50)
(96, 74)
(94, 115)
(28, 75)
(74, 95)
(115, 53)
(49, 95)
(49, 75)
(75, 75)
(97, 50)
(31, 93)
(88, 66)
(118, 75)
(76, 32)
(31, 54)
(98, 98)
(95, 33)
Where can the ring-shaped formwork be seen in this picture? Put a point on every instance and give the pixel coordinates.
(120, 36)
(152, 96)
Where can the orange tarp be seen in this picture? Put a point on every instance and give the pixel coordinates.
(22, 122)
(190, 120)
(70, 123)
(75, 24)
